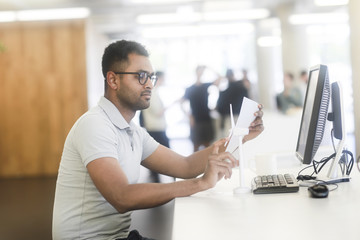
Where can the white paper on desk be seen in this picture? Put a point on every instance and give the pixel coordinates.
(246, 117)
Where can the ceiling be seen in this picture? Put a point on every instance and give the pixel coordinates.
(118, 17)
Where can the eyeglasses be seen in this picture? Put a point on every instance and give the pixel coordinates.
(143, 77)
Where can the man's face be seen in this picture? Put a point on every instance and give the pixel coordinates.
(131, 93)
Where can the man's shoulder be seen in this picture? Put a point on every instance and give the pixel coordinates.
(92, 119)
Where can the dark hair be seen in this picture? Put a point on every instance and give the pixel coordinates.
(118, 52)
(229, 73)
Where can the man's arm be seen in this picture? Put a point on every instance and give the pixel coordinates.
(167, 162)
(112, 183)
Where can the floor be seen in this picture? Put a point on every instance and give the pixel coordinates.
(26, 208)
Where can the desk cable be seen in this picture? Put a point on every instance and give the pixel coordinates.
(311, 180)
(345, 164)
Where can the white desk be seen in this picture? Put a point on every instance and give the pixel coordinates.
(218, 214)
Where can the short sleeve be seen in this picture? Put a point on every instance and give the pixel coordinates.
(95, 137)
(149, 144)
(187, 93)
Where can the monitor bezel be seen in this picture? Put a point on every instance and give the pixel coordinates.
(310, 149)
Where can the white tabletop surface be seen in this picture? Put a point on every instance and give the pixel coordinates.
(219, 214)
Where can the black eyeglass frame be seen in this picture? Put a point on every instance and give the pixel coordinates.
(143, 75)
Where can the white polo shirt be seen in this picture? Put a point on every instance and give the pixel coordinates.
(80, 211)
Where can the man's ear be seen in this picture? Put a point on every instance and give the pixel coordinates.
(111, 80)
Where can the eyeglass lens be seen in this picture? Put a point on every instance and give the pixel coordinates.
(143, 77)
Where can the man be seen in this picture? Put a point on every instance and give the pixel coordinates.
(97, 184)
(290, 98)
(202, 129)
(233, 94)
(153, 117)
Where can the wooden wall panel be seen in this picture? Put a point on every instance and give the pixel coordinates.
(42, 93)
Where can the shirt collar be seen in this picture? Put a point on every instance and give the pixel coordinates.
(113, 113)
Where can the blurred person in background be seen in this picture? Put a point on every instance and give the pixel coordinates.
(233, 95)
(153, 118)
(246, 82)
(291, 97)
(202, 129)
(302, 83)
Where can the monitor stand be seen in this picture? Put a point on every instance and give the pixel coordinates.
(333, 172)
(333, 175)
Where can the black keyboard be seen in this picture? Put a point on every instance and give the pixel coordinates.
(280, 183)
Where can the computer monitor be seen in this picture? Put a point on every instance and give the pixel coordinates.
(314, 116)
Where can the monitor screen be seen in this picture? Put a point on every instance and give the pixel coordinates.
(314, 114)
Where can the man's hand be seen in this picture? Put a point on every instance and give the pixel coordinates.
(256, 126)
(219, 165)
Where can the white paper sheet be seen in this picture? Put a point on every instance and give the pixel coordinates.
(246, 117)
